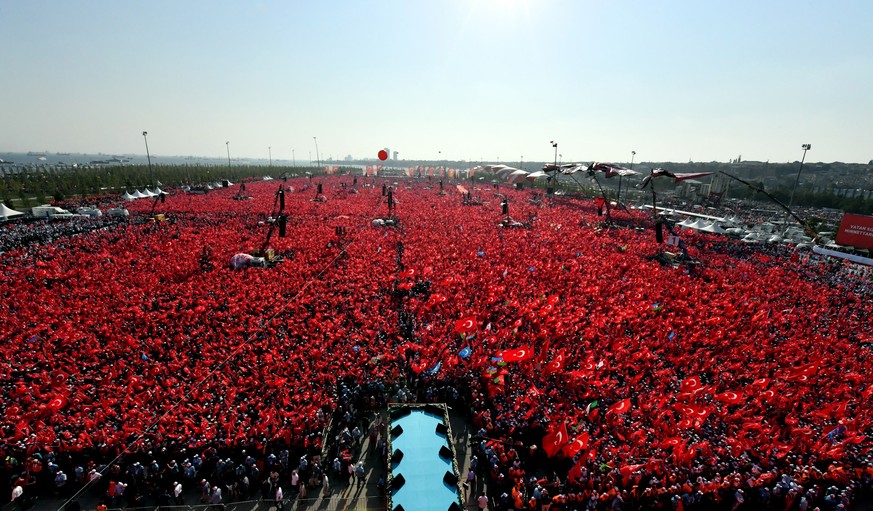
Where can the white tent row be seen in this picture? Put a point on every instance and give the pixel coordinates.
(701, 225)
(141, 195)
(510, 174)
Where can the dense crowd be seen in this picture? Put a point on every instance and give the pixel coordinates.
(124, 348)
(21, 234)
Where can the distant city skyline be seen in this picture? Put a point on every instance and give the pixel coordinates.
(475, 80)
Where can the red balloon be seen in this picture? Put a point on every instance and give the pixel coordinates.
(383, 155)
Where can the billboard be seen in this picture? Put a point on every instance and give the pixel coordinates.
(856, 231)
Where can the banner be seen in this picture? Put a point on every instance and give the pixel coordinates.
(856, 231)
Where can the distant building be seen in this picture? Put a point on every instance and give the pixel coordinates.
(395, 156)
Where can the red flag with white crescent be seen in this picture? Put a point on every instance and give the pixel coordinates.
(621, 407)
(465, 325)
(578, 443)
(555, 440)
(555, 365)
(690, 384)
(516, 355)
(730, 397)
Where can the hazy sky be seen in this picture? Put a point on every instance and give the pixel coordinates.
(456, 79)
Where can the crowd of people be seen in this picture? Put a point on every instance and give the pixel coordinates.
(20, 234)
(630, 381)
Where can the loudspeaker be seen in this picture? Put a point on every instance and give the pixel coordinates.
(445, 452)
(397, 456)
(434, 409)
(505, 206)
(396, 430)
(397, 481)
(450, 478)
(398, 507)
(442, 429)
(281, 200)
(396, 413)
(319, 188)
(659, 232)
(163, 197)
(455, 507)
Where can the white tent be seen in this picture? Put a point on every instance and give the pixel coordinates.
(127, 196)
(711, 227)
(536, 175)
(716, 229)
(516, 176)
(139, 195)
(696, 225)
(6, 213)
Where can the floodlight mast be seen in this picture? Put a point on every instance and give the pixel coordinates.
(805, 147)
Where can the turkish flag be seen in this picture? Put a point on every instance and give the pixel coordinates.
(761, 382)
(693, 415)
(555, 440)
(575, 472)
(729, 397)
(671, 442)
(57, 403)
(556, 365)
(621, 407)
(59, 378)
(627, 470)
(578, 443)
(690, 384)
(465, 325)
(516, 355)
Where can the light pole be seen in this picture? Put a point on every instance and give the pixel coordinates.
(317, 156)
(805, 147)
(228, 157)
(633, 153)
(555, 145)
(293, 159)
(270, 151)
(521, 163)
(145, 136)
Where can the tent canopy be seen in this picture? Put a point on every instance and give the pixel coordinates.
(6, 213)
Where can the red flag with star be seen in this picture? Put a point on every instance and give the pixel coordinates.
(555, 440)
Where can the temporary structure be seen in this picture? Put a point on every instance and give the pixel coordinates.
(7, 213)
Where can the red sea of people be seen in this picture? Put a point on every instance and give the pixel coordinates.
(612, 377)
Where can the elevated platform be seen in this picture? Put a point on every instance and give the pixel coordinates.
(424, 474)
